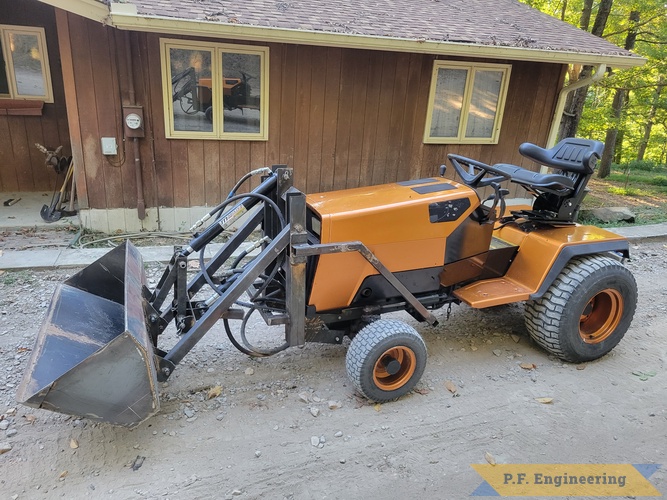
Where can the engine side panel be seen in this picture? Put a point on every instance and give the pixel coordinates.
(405, 225)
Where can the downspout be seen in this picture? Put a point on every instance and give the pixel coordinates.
(141, 204)
(560, 104)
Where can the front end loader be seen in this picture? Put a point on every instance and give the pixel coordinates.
(327, 266)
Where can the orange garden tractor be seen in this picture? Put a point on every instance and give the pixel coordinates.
(329, 265)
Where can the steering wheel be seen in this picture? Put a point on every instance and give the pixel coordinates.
(474, 175)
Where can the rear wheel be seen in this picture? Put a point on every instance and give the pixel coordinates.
(386, 359)
(586, 311)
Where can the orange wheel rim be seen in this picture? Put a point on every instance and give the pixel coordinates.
(601, 316)
(394, 368)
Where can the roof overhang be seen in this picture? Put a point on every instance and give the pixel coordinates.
(124, 16)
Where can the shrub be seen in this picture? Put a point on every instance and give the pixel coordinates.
(645, 165)
(659, 180)
(625, 191)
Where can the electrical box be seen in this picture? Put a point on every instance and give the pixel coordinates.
(133, 121)
(109, 146)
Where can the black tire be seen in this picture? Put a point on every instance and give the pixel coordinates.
(586, 311)
(385, 360)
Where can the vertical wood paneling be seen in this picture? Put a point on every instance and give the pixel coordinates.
(383, 124)
(340, 117)
(179, 172)
(227, 166)
(315, 110)
(275, 110)
(357, 122)
(398, 118)
(19, 141)
(302, 122)
(330, 122)
(8, 180)
(196, 180)
(144, 97)
(370, 119)
(154, 117)
(105, 100)
(417, 169)
(344, 119)
(67, 64)
(288, 110)
(212, 191)
(85, 95)
(23, 167)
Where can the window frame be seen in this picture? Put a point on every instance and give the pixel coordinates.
(472, 68)
(216, 50)
(5, 31)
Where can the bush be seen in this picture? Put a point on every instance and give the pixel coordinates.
(659, 180)
(625, 191)
(645, 165)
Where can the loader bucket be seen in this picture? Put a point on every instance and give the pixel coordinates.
(93, 356)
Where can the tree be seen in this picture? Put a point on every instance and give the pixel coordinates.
(646, 133)
(648, 126)
(574, 105)
(617, 106)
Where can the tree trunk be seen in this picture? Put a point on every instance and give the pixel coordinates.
(575, 107)
(601, 17)
(612, 132)
(618, 147)
(651, 117)
(617, 107)
(585, 19)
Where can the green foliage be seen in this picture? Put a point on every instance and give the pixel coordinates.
(659, 180)
(644, 165)
(625, 191)
(11, 278)
(641, 105)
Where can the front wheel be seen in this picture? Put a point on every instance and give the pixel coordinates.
(386, 359)
(586, 311)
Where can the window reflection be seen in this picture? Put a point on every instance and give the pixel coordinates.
(466, 102)
(484, 103)
(191, 90)
(27, 62)
(241, 92)
(448, 102)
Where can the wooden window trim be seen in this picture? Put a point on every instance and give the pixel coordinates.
(5, 31)
(216, 49)
(467, 98)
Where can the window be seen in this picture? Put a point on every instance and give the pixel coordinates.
(466, 103)
(24, 64)
(215, 91)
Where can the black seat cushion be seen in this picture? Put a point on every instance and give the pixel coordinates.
(555, 183)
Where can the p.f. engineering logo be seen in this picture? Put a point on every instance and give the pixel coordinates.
(546, 480)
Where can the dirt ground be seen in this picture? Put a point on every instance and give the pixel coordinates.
(292, 427)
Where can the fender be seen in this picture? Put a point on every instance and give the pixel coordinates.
(569, 252)
(542, 253)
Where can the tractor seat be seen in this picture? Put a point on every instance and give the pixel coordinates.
(552, 183)
(571, 158)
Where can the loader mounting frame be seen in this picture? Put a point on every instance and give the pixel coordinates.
(288, 243)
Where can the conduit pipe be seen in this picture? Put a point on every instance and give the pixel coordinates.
(141, 203)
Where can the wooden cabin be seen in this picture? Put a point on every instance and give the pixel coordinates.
(164, 105)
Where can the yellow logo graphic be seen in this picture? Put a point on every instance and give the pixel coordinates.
(545, 480)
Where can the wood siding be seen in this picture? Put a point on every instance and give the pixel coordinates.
(22, 167)
(340, 117)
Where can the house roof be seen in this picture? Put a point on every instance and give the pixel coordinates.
(503, 29)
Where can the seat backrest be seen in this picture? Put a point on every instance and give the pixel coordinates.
(570, 154)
